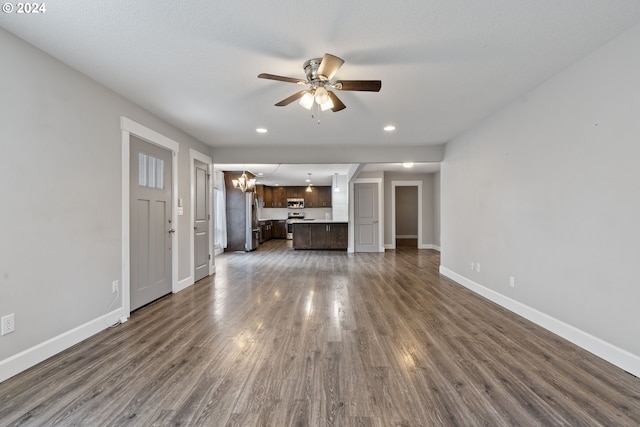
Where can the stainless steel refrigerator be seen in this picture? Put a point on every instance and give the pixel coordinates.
(252, 226)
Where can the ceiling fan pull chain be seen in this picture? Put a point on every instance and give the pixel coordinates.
(317, 113)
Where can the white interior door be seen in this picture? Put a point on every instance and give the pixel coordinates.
(150, 222)
(366, 226)
(201, 221)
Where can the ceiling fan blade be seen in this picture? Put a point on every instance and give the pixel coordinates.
(281, 78)
(337, 104)
(329, 65)
(361, 85)
(290, 99)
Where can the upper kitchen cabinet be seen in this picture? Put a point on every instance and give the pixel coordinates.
(319, 197)
(279, 197)
(311, 199)
(276, 197)
(295, 192)
(268, 197)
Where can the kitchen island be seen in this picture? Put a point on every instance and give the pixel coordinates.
(321, 234)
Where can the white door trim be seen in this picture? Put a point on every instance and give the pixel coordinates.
(379, 181)
(129, 127)
(395, 184)
(196, 155)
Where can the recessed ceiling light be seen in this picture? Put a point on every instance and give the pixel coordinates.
(261, 130)
(260, 174)
(407, 164)
(389, 128)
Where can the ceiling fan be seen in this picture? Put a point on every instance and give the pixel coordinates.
(320, 72)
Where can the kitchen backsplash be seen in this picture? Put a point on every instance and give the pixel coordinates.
(282, 213)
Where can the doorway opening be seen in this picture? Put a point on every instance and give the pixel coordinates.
(406, 214)
(406, 217)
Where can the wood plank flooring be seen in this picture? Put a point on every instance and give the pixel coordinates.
(311, 338)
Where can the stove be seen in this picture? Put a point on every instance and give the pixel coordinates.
(293, 216)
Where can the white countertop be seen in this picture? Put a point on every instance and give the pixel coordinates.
(320, 221)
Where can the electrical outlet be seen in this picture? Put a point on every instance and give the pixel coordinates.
(114, 287)
(478, 267)
(512, 281)
(473, 266)
(8, 324)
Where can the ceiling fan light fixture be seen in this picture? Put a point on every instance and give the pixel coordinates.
(307, 100)
(327, 105)
(319, 73)
(321, 95)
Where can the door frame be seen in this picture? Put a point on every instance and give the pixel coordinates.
(128, 128)
(395, 184)
(352, 237)
(207, 160)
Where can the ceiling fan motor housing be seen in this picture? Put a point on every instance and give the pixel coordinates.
(311, 70)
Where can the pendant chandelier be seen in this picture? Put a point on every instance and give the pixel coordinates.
(244, 183)
(309, 190)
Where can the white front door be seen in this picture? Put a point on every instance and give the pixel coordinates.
(366, 226)
(150, 222)
(201, 221)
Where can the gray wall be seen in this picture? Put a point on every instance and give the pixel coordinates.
(60, 173)
(548, 191)
(436, 209)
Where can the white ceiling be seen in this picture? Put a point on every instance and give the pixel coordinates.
(444, 64)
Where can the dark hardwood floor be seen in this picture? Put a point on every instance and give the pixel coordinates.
(293, 338)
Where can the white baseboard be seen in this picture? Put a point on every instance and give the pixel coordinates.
(429, 246)
(609, 352)
(422, 246)
(183, 284)
(26, 359)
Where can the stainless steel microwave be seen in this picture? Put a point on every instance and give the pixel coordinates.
(295, 203)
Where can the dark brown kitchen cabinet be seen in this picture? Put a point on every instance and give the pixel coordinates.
(319, 197)
(279, 197)
(268, 197)
(279, 229)
(295, 192)
(274, 197)
(339, 233)
(311, 199)
(301, 236)
(268, 230)
(323, 197)
(322, 235)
